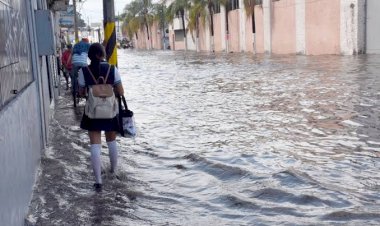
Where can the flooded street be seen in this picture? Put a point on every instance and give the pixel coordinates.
(225, 140)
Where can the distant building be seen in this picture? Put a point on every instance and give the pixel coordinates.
(307, 27)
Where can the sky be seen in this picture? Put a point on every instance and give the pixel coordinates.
(92, 10)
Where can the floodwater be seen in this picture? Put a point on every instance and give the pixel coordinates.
(226, 140)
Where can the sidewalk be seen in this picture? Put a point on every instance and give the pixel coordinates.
(64, 194)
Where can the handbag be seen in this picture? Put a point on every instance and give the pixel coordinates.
(127, 126)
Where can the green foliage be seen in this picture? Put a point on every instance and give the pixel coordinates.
(197, 11)
(249, 6)
(140, 14)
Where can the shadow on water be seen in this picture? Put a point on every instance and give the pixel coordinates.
(226, 139)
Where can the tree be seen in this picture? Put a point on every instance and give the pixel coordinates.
(178, 7)
(159, 11)
(197, 12)
(139, 16)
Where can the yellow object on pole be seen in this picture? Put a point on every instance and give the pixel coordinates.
(110, 31)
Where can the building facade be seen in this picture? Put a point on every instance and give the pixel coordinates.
(28, 81)
(310, 27)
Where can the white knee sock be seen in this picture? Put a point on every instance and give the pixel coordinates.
(112, 150)
(96, 161)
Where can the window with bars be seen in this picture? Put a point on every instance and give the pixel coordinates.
(216, 7)
(233, 4)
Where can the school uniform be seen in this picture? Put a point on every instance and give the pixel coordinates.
(85, 79)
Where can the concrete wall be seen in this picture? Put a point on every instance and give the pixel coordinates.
(156, 36)
(203, 44)
(218, 37)
(20, 145)
(267, 25)
(373, 28)
(300, 26)
(283, 27)
(248, 34)
(322, 27)
(259, 17)
(234, 30)
(352, 22)
(24, 116)
(296, 27)
(242, 26)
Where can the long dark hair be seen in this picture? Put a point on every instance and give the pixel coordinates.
(96, 53)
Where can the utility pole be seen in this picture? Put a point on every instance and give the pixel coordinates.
(75, 22)
(109, 31)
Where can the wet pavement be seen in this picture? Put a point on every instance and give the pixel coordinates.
(226, 140)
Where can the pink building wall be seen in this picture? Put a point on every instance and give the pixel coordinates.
(284, 27)
(141, 41)
(233, 26)
(322, 27)
(179, 45)
(202, 36)
(218, 33)
(156, 36)
(248, 34)
(259, 19)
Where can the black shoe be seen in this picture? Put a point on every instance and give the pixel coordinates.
(98, 187)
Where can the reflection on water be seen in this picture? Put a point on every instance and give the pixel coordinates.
(227, 140)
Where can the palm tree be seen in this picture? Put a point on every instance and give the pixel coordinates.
(139, 16)
(159, 11)
(197, 11)
(132, 20)
(146, 11)
(178, 7)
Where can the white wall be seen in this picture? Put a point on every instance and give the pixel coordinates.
(267, 8)
(373, 27)
(242, 21)
(20, 146)
(348, 26)
(300, 27)
(24, 126)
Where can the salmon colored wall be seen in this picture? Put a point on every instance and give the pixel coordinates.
(259, 29)
(171, 40)
(176, 45)
(156, 36)
(141, 42)
(202, 36)
(180, 45)
(233, 26)
(322, 27)
(248, 34)
(284, 27)
(217, 33)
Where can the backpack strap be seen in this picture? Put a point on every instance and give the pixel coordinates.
(108, 72)
(92, 75)
(104, 80)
